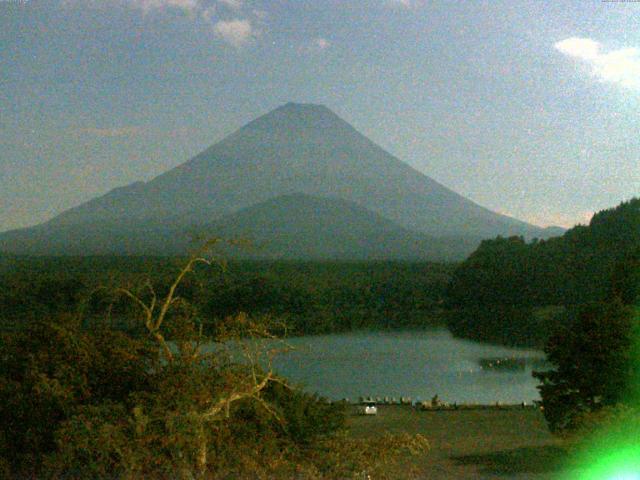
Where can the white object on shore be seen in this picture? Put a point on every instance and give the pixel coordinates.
(368, 408)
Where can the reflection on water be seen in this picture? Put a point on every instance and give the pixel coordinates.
(418, 364)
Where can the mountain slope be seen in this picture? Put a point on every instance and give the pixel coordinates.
(299, 148)
(295, 148)
(287, 227)
(301, 227)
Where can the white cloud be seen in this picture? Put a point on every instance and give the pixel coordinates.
(235, 32)
(403, 3)
(621, 67)
(208, 14)
(232, 4)
(583, 48)
(244, 25)
(144, 5)
(129, 131)
(314, 45)
(321, 43)
(260, 15)
(147, 5)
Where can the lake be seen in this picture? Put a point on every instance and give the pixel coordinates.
(416, 364)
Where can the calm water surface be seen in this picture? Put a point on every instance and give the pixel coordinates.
(418, 364)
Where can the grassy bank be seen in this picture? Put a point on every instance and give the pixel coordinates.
(475, 444)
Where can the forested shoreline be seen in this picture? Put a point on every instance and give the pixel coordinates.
(302, 297)
(518, 292)
(508, 291)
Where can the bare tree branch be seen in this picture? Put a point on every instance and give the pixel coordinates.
(223, 403)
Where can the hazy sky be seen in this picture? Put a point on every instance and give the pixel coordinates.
(528, 108)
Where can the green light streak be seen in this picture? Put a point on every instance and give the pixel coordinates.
(618, 463)
(612, 450)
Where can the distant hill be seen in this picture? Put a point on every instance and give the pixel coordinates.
(574, 268)
(300, 226)
(297, 148)
(550, 232)
(289, 227)
(586, 264)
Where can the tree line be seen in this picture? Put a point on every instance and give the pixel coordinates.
(504, 285)
(578, 296)
(306, 297)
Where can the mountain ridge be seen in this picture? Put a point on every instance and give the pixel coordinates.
(302, 148)
(291, 227)
(299, 226)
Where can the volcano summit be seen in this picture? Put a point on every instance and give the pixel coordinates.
(296, 153)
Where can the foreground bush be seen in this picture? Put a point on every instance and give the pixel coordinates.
(77, 403)
(595, 363)
(50, 370)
